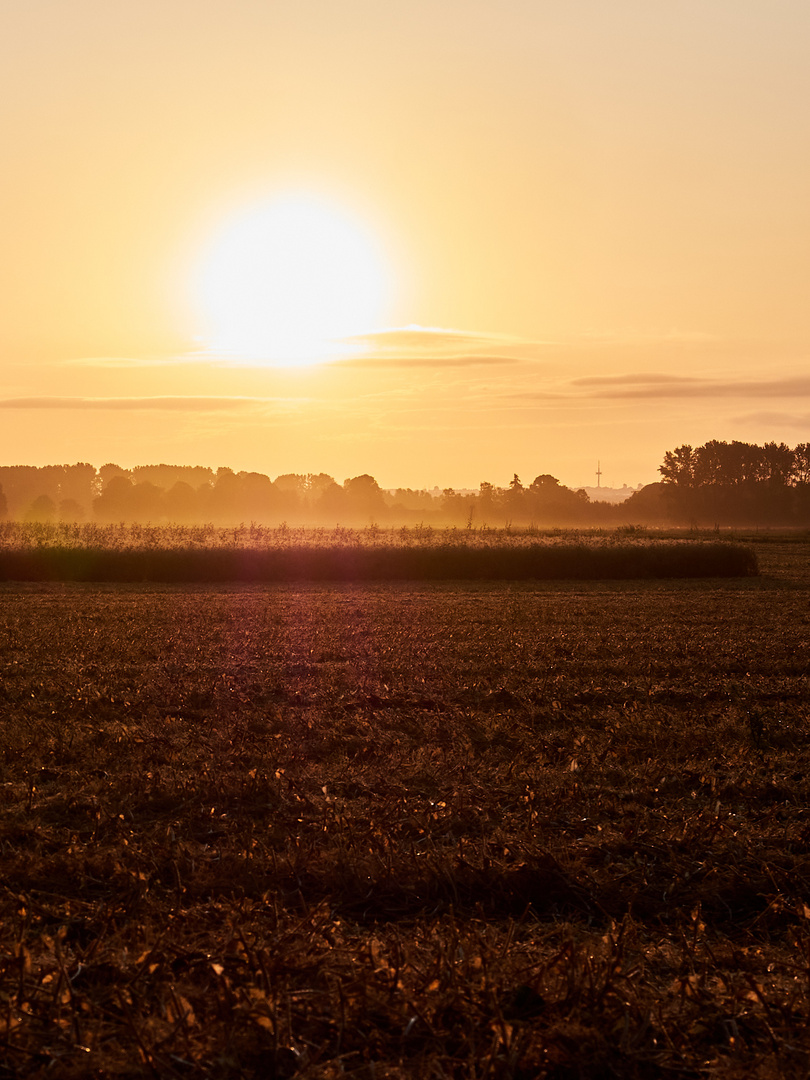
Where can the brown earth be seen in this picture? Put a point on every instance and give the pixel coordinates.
(505, 830)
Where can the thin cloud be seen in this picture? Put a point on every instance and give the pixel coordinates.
(775, 419)
(619, 380)
(665, 386)
(471, 360)
(430, 346)
(131, 362)
(431, 338)
(165, 403)
(433, 346)
(400, 346)
(426, 346)
(661, 337)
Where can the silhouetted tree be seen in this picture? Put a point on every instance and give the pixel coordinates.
(679, 466)
(330, 504)
(778, 462)
(257, 497)
(70, 510)
(488, 505)
(736, 483)
(165, 476)
(42, 509)
(181, 503)
(548, 502)
(291, 495)
(115, 501)
(317, 484)
(515, 500)
(223, 500)
(107, 472)
(801, 464)
(364, 498)
(24, 484)
(458, 508)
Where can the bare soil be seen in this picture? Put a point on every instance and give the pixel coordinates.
(446, 830)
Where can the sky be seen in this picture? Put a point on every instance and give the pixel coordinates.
(441, 243)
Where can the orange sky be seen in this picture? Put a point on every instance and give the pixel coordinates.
(593, 218)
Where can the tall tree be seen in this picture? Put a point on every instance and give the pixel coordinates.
(679, 466)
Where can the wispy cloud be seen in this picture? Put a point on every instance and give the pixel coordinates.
(650, 385)
(430, 346)
(776, 419)
(436, 347)
(418, 338)
(400, 346)
(167, 403)
(135, 362)
(429, 361)
(630, 380)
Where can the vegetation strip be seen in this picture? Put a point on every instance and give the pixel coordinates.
(369, 556)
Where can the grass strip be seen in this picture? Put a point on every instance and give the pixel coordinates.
(303, 562)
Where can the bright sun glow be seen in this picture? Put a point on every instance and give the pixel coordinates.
(286, 281)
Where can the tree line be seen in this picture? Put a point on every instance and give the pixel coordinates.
(189, 494)
(730, 483)
(719, 483)
(737, 463)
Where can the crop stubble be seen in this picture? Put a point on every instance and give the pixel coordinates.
(452, 830)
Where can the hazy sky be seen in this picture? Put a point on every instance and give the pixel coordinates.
(553, 233)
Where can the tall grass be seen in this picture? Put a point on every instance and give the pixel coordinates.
(126, 553)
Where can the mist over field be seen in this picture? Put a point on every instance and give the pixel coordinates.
(718, 483)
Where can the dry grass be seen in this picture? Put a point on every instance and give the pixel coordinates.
(258, 554)
(392, 831)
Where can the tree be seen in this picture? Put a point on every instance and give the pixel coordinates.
(72, 484)
(70, 510)
(257, 496)
(165, 476)
(457, 508)
(801, 464)
(42, 509)
(223, 500)
(515, 500)
(107, 472)
(679, 466)
(364, 497)
(330, 503)
(317, 484)
(291, 495)
(778, 463)
(147, 502)
(115, 501)
(545, 483)
(551, 503)
(712, 464)
(181, 503)
(737, 483)
(488, 501)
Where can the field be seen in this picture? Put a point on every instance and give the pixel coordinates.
(448, 829)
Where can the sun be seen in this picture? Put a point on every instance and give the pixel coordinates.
(286, 280)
